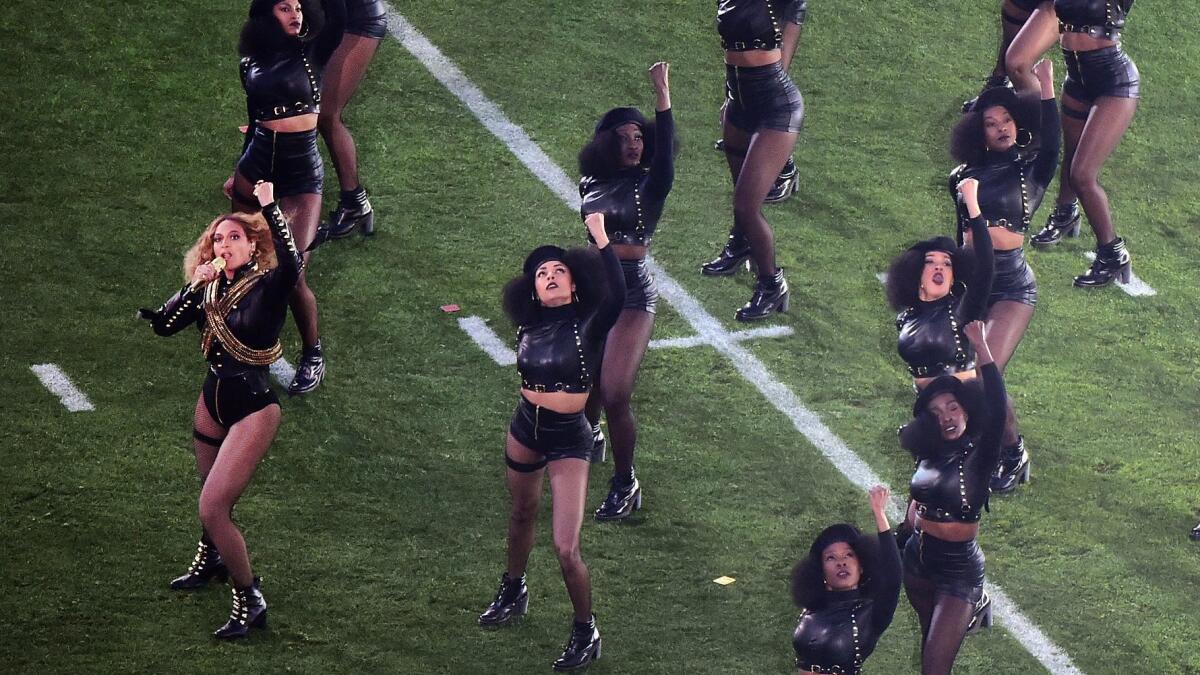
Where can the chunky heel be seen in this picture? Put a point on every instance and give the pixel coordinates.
(771, 295)
(622, 500)
(735, 254)
(1126, 273)
(583, 646)
(1074, 231)
(637, 502)
(1112, 262)
(511, 603)
(982, 618)
(206, 566)
(1064, 220)
(367, 225)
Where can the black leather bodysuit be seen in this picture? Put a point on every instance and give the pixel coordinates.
(952, 485)
(632, 201)
(839, 634)
(1013, 183)
(562, 350)
(1098, 18)
(756, 24)
(256, 319)
(287, 82)
(931, 340)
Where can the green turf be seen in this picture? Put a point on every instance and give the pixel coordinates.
(378, 518)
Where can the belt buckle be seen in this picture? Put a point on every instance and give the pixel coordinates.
(279, 110)
(539, 388)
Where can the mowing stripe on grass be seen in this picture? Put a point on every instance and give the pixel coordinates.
(54, 379)
(749, 366)
(1136, 287)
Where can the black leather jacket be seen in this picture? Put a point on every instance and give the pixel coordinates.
(257, 319)
(842, 631)
(1098, 18)
(1012, 184)
(756, 24)
(632, 201)
(562, 350)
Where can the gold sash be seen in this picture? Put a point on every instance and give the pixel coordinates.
(217, 309)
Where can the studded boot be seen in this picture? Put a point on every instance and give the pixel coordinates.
(982, 618)
(1013, 469)
(310, 372)
(583, 646)
(1063, 221)
(512, 602)
(249, 611)
(1112, 262)
(353, 212)
(735, 253)
(785, 183)
(624, 497)
(206, 566)
(770, 295)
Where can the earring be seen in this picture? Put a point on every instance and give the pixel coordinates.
(1028, 138)
(575, 295)
(533, 295)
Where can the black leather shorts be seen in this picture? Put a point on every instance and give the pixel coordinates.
(229, 400)
(640, 290)
(289, 160)
(553, 434)
(954, 567)
(1014, 279)
(763, 97)
(1101, 72)
(367, 18)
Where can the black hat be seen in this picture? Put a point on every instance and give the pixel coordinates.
(998, 96)
(842, 532)
(540, 255)
(942, 385)
(619, 116)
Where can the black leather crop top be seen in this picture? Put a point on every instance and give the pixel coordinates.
(756, 24)
(1098, 18)
(256, 319)
(839, 634)
(287, 82)
(1013, 183)
(931, 340)
(952, 485)
(632, 201)
(562, 350)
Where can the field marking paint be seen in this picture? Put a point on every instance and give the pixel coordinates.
(1136, 287)
(882, 277)
(749, 366)
(487, 340)
(283, 371)
(54, 379)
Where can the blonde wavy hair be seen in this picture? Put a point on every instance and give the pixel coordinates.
(257, 231)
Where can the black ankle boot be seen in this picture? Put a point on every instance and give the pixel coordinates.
(1112, 262)
(736, 252)
(353, 211)
(207, 565)
(1013, 469)
(991, 82)
(1195, 535)
(582, 648)
(624, 497)
(598, 444)
(770, 295)
(249, 611)
(1063, 220)
(785, 184)
(982, 618)
(512, 601)
(309, 372)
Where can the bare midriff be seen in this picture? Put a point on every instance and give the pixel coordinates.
(630, 251)
(1003, 239)
(964, 375)
(1082, 42)
(943, 531)
(752, 58)
(288, 125)
(563, 402)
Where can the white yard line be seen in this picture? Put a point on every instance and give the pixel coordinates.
(487, 340)
(1136, 287)
(283, 372)
(750, 367)
(54, 379)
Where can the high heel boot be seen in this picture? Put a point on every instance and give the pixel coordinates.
(512, 601)
(785, 183)
(1195, 535)
(624, 497)
(1063, 220)
(353, 212)
(599, 444)
(207, 565)
(1112, 262)
(982, 618)
(249, 611)
(770, 295)
(1013, 469)
(735, 253)
(582, 648)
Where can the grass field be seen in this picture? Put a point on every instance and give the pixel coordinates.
(378, 519)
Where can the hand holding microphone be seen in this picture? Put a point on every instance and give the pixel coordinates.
(206, 273)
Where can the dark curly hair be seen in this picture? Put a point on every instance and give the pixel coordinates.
(922, 437)
(587, 271)
(904, 276)
(808, 576)
(601, 157)
(262, 34)
(967, 142)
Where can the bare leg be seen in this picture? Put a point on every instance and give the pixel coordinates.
(568, 488)
(623, 353)
(525, 490)
(1039, 34)
(1006, 324)
(1105, 127)
(1008, 32)
(240, 453)
(1072, 130)
(342, 76)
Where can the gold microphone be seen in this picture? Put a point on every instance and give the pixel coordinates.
(218, 264)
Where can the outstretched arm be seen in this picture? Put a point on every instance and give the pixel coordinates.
(793, 25)
(886, 590)
(995, 396)
(662, 167)
(1051, 128)
(606, 315)
(974, 301)
(291, 262)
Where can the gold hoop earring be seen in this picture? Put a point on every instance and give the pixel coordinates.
(1028, 138)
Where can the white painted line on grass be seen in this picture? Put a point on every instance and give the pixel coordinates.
(750, 367)
(54, 379)
(283, 372)
(487, 340)
(882, 277)
(1136, 287)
